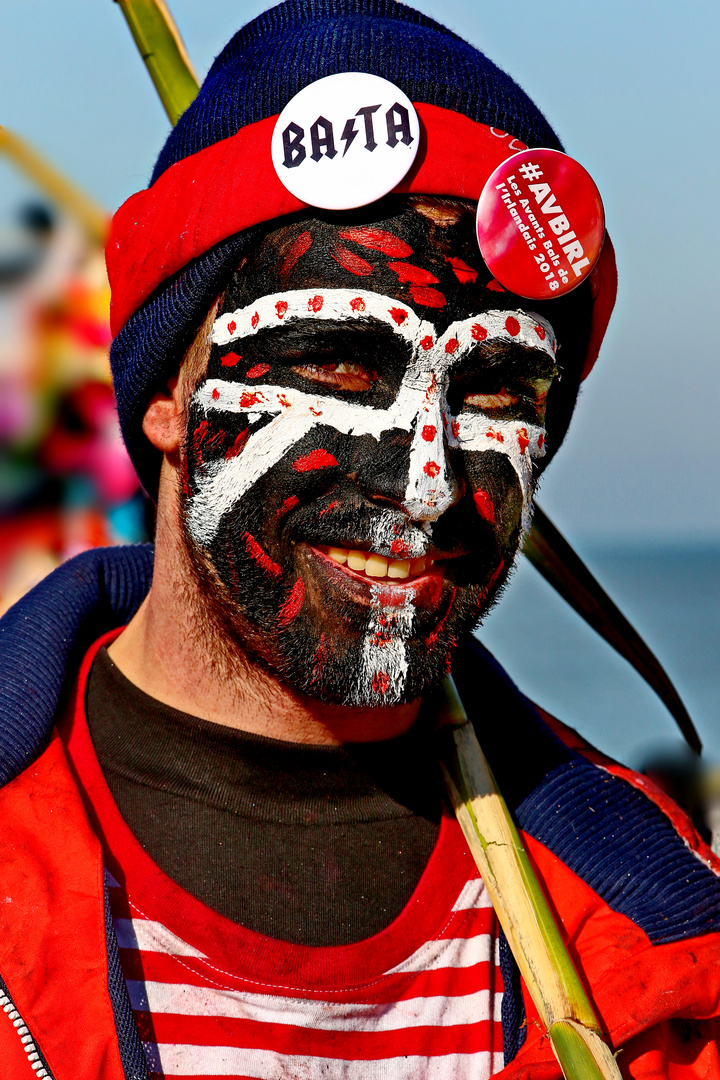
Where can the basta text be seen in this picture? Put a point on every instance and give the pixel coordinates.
(322, 134)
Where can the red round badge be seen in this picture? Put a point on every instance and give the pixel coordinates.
(540, 224)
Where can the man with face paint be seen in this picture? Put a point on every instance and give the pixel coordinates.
(225, 851)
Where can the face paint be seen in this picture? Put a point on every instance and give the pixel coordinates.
(349, 522)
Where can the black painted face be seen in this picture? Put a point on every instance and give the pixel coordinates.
(360, 457)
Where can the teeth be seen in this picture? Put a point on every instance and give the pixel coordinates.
(377, 566)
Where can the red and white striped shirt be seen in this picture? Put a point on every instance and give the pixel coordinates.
(418, 1001)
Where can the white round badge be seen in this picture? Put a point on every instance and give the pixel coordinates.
(345, 140)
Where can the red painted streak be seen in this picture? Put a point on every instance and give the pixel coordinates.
(541, 441)
(452, 345)
(494, 286)
(358, 304)
(315, 303)
(261, 557)
(399, 314)
(456, 428)
(298, 248)
(378, 240)
(406, 272)
(464, 273)
(495, 575)
(354, 264)
(327, 509)
(478, 332)
(257, 371)
(498, 435)
(431, 468)
(248, 399)
(320, 659)
(316, 459)
(431, 640)
(523, 441)
(290, 503)
(484, 505)
(427, 297)
(230, 359)
(291, 608)
(381, 682)
(429, 432)
(238, 446)
(426, 342)
(215, 441)
(281, 307)
(512, 326)
(198, 439)
(254, 320)
(540, 330)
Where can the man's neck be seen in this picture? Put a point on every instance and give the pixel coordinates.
(168, 652)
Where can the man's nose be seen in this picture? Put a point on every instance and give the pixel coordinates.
(432, 486)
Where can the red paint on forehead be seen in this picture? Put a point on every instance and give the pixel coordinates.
(406, 272)
(238, 446)
(540, 331)
(230, 359)
(261, 557)
(399, 314)
(298, 248)
(231, 326)
(358, 304)
(281, 307)
(484, 505)
(349, 261)
(316, 459)
(427, 297)
(315, 303)
(291, 608)
(254, 320)
(478, 332)
(464, 273)
(290, 503)
(512, 326)
(378, 240)
(257, 371)
(381, 682)
(431, 468)
(429, 432)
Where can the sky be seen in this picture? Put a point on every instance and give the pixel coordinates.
(631, 88)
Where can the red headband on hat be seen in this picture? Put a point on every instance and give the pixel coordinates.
(232, 185)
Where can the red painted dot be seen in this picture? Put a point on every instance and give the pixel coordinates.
(230, 359)
(258, 370)
(381, 682)
(231, 326)
(478, 332)
(512, 326)
(523, 441)
(484, 505)
(215, 394)
(431, 468)
(315, 303)
(399, 315)
(452, 345)
(455, 428)
(540, 331)
(281, 307)
(316, 459)
(247, 400)
(358, 304)
(427, 342)
(255, 320)
(429, 432)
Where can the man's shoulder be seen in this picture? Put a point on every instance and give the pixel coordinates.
(44, 636)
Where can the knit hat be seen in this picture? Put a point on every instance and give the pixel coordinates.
(174, 245)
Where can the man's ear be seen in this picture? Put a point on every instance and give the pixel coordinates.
(163, 422)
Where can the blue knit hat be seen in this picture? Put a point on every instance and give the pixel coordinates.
(264, 65)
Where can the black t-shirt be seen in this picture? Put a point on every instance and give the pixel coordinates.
(316, 845)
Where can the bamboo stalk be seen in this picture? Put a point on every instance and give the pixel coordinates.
(163, 50)
(518, 899)
(57, 187)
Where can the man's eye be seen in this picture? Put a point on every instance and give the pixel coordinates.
(488, 402)
(343, 375)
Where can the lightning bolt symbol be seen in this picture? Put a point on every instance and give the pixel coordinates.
(349, 133)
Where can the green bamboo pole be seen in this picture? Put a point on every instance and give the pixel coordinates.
(518, 899)
(161, 47)
(57, 187)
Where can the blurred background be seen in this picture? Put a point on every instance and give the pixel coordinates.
(632, 90)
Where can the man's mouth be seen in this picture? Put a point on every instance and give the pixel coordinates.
(375, 566)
